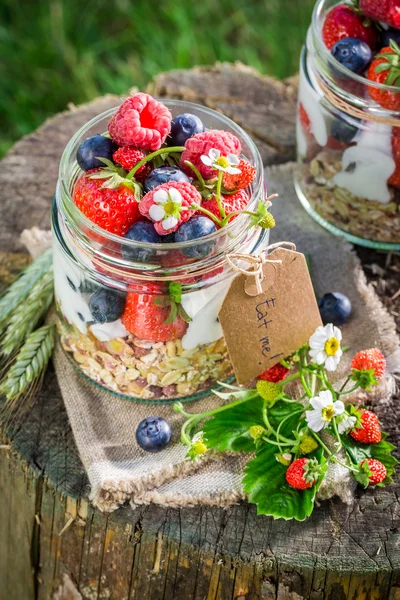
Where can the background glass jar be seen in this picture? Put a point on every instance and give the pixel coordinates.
(91, 264)
(347, 178)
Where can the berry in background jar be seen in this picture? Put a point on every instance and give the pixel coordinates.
(343, 21)
(353, 54)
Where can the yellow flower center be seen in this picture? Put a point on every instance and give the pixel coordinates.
(222, 161)
(328, 413)
(332, 346)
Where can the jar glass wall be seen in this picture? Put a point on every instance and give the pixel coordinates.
(90, 263)
(346, 178)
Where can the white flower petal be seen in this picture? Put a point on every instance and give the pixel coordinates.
(337, 333)
(329, 330)
(206, 160)
(326, 396)
(320, 357)
(220, 168)
(332, 363)
(314, 420)
(338, 407)
(169, 223)
(175, 195)
(160, 196)
(214, 154)
(156, 212)
(232, 170)
(233, 159)
(346, 424)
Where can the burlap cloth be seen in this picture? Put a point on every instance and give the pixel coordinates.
(104, 426)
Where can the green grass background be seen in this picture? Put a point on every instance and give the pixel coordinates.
(58, 51)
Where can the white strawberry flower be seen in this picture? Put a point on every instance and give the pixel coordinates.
(324, 409)
(166, 208)
(346, 423)
(227, 164)
(325, 346)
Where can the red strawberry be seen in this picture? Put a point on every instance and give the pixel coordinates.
(370, 431)
(304, 119)
(241, 180)
(395, 178)
(389, 57)
(275, 374)
(114, 210)
(370, 359)
(378, 470)
(140, 121)
(127, 157)
(302, 473)
(387, 11)
(146, 320)
(230, 203)
(342, 22)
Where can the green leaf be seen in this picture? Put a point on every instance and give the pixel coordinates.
(229, 429)
(381, 451)
(266, 485)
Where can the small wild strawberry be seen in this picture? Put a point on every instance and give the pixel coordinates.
(369, 432)
(302, 473)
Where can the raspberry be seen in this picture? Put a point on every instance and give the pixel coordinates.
(168, 204)
(369, 432)
(378, 470)
(370, 359)
(128, 156)
(114, 210)
(230, 203)
(275, 374)
(298, 476)
(140, 121)
(201, 143)
(241, 180)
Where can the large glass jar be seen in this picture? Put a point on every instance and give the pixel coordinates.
(88, 259)
(347, 178)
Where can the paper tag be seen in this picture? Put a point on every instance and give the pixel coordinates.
(261, 329)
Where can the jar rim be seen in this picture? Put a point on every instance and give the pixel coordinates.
(82, 221)
(321, 49)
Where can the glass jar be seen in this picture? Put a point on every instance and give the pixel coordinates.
(88, 259)
(346, 178)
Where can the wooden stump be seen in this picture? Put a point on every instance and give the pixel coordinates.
(53, 544)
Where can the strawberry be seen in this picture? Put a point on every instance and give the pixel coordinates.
(371, 359)
(147, 320)
(304, 119)
(376, 470)
(302, 473)
(343, 22)
(395, 178)
(275, 374)
(241, 180)
(369, 431)
(385, 69)
(114, 209)
(127, 157)
(230, 203)
(387, 11)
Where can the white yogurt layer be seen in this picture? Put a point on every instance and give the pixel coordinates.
(108, 331)
(370, 164)
(203, 307)
(72, 304)
(311, 100)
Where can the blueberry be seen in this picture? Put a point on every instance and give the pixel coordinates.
(107, 305)
(184, 127)
(389, 34)
(153, 434)
(98, 145)
(169, 238)
(343, 131)
(142, 231)
(334, 308)
(164, 175)
(197, 227)
(353, 54)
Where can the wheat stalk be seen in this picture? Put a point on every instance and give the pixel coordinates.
(21, 288)
(28, 314)
(30, 363)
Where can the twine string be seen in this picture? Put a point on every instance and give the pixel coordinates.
(256, 262)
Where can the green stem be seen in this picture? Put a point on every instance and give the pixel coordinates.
(235, 213)
(331, 455)
(290, 378)
(208, 213)
(344, 385)
(350, 391)
(296, 412)
(280, 444)
(197, 173)
(218, 195)
(327, 383)
(303, 381)
(150, 157)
